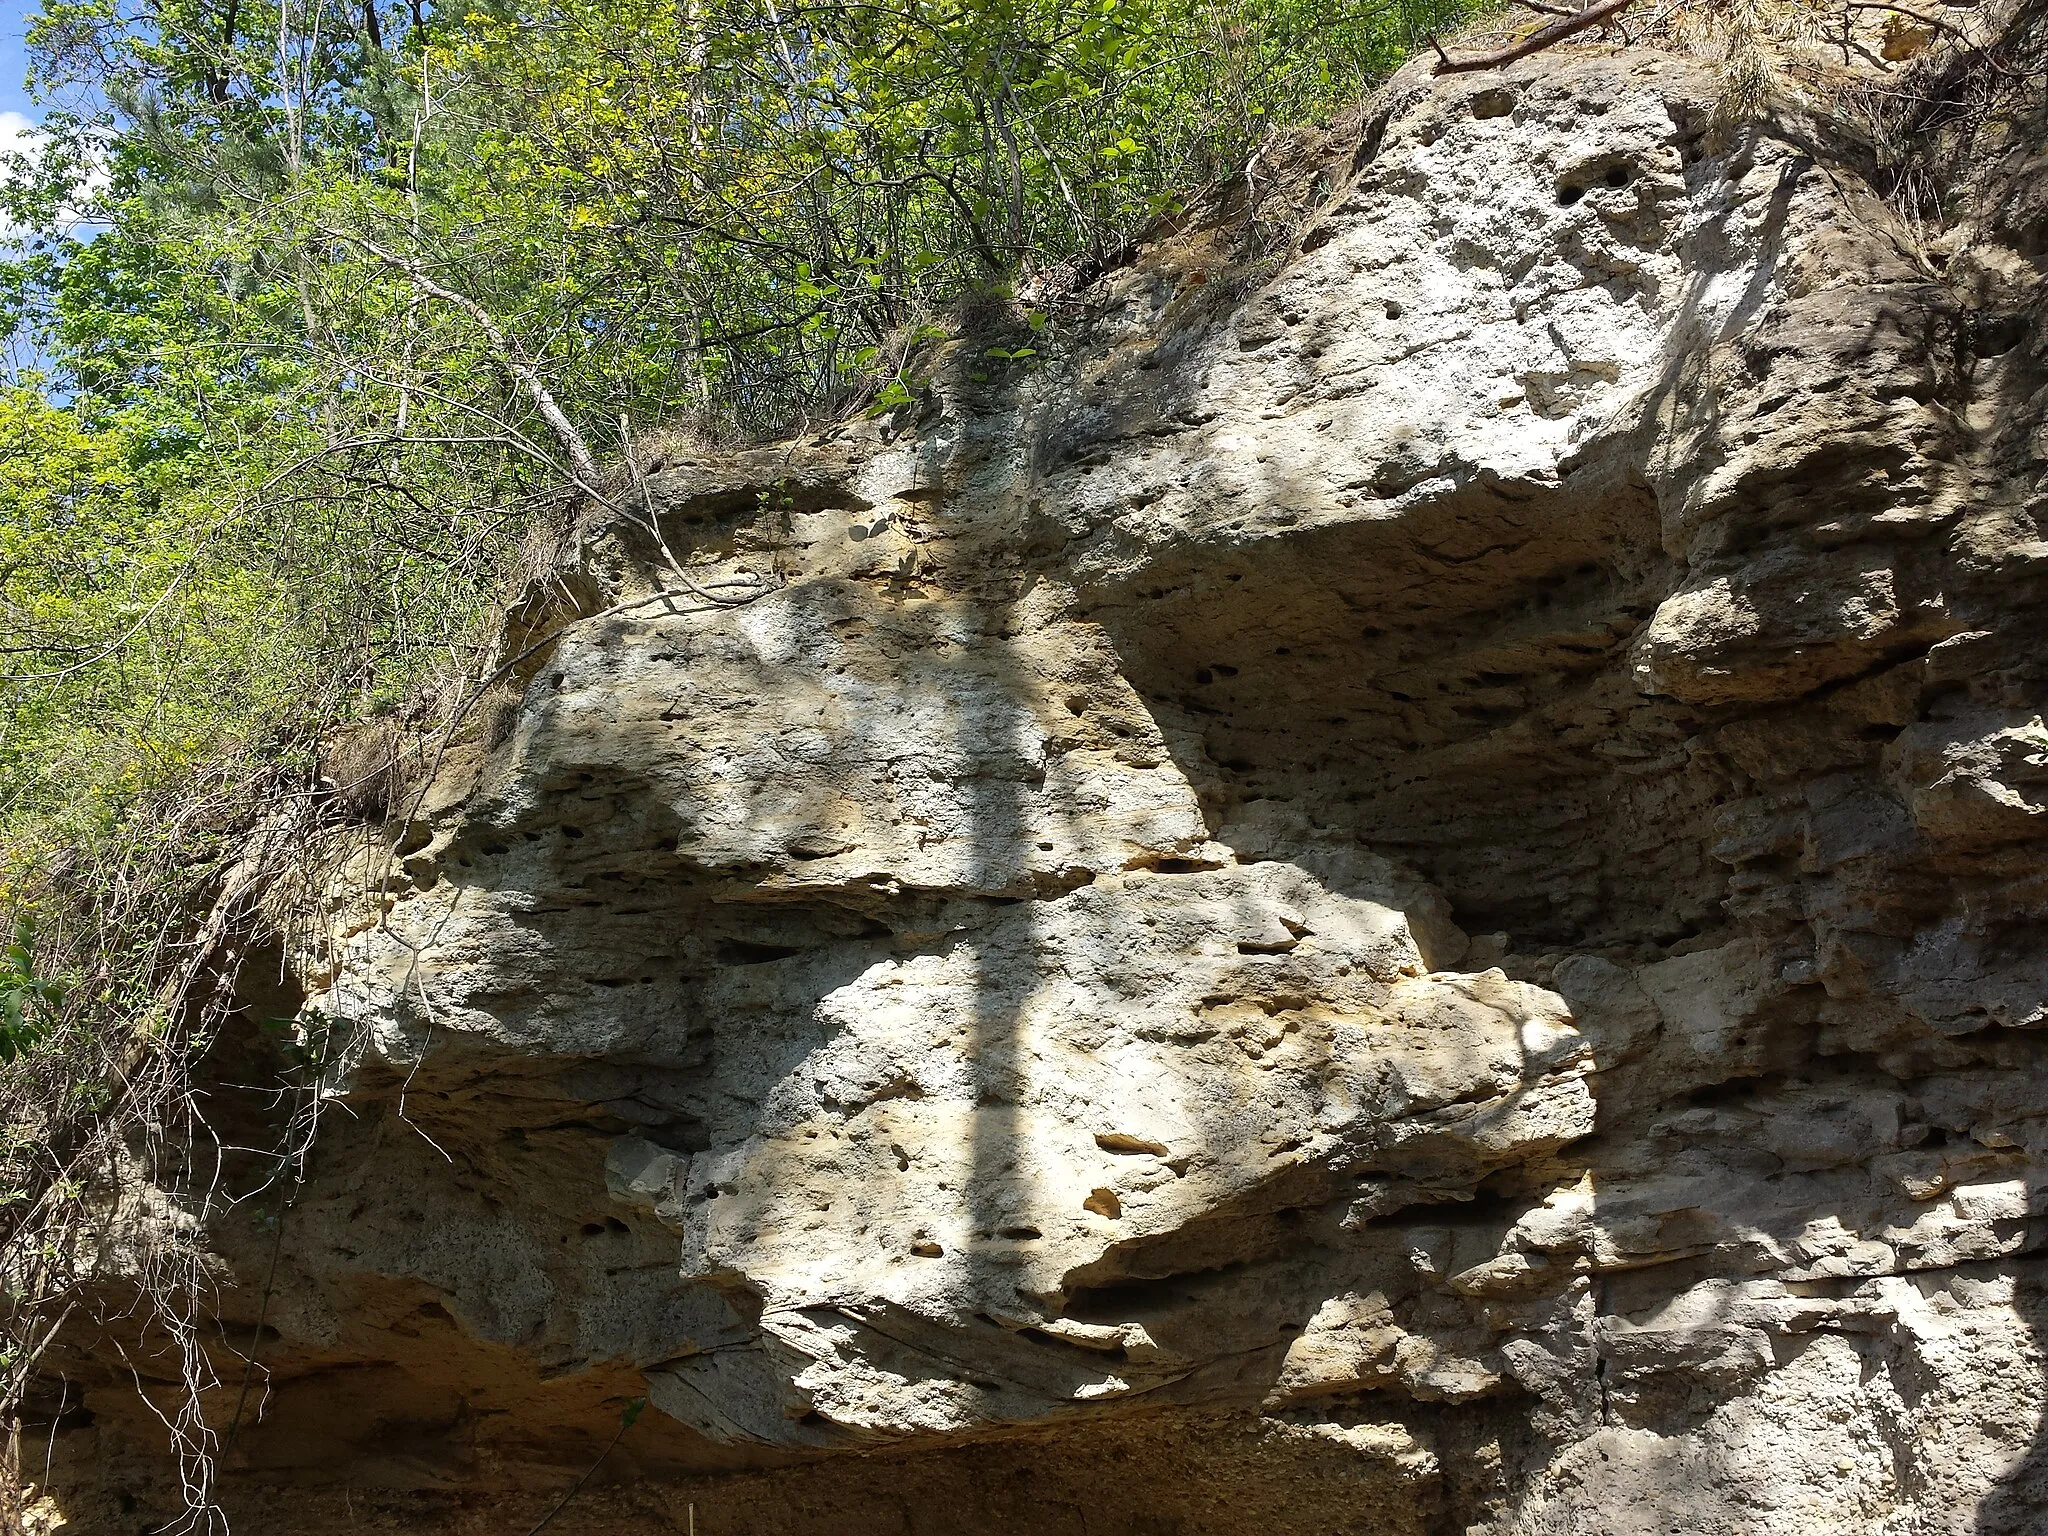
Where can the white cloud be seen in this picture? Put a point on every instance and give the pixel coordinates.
(20, 134)
(16, 132)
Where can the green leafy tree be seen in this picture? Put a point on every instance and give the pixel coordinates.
(30, 1003)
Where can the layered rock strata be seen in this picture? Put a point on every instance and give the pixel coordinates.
(1405, 893)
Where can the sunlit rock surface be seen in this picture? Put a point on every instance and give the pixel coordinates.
(1403, 894)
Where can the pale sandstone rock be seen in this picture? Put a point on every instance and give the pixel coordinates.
(1014, 969)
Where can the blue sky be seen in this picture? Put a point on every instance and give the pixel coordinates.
(17, 112)
(14, 16)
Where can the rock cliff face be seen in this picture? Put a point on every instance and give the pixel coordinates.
(1404, 894)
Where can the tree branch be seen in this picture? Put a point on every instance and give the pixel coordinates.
(582, 466)
(1535, 42)
(1934, 22)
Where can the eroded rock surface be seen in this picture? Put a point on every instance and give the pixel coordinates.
(1420, 869)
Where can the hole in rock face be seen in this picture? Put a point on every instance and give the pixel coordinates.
(1735, 1090)
(1484, 728)
(1569, 194)
(745, 952)
(1117, 1302)
(1495, 102)
(1994, 336)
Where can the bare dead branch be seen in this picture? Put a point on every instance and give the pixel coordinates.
(582, 465)
(1933, 22)
(1567, 26)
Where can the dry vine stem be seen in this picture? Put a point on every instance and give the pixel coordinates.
(81, 1251)
(522, 372)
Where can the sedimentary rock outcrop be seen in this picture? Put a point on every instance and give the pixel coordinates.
(1403, 893)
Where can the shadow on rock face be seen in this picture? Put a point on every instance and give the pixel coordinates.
(1406, 897)
(2018, 1500)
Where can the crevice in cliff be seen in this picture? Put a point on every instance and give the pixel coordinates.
(1454, 695)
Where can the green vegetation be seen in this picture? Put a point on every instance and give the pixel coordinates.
(30, 1004)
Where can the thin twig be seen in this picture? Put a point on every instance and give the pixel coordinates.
(625, 1423)
(262, 1318)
